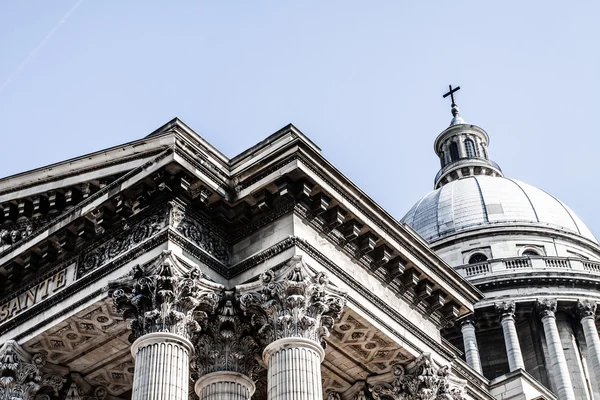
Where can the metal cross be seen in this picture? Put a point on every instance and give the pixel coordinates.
(451, 93)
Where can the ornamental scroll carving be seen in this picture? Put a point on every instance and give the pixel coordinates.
(165, 297)
(21, 374)
(506, 309)
(294, 302)
(227, 343)
(422, 381)
(198, 232)
(132, 236)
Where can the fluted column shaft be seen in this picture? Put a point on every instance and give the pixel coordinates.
(224, 385)
(511, 340)
(161, 367)
(470, 342)
(294, 369)
(593, 343)
(558, 362)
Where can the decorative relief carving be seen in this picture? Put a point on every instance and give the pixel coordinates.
(421, 380)
(131, 237)
(546, 307)
(227, 341)
(506, 309)
(164, 296)
(585, 309)
(292, 303)
(21, 374)
(198, 233)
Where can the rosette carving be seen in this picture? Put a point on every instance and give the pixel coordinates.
(294, 302)
(21, 374)
(423, 382)
(227, 343)
(165, 297)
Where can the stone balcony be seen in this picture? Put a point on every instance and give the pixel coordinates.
(532, 267)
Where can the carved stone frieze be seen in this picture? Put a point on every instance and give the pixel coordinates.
(165, 296)
(421, 380)
(227, 343)
(193, 228)
(294, 302)
(585, 309)
(21, 374)
(129, 238)
(546, 307)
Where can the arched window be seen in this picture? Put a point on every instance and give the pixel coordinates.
(453, 151)
(477, 258)
(470, 147)
(528, 253)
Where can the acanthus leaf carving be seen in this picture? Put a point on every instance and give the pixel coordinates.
(586, 308)
(546, 307)
(165, 297)
(21, 374)
(295, 302)
(227, 343)
(420, 381)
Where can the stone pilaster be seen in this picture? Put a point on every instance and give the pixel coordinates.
(467, 327)
(419, 380)
(506, 310)
(557, 361)
(293, 310)
(586, 311)
(226, 353)
(166, 304)
(21, 374)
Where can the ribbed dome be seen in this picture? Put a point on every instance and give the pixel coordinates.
(477, 201)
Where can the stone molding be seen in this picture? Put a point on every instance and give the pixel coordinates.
(21, 374)
(506, 309)
(294, 302)
(293, 343)
(585, 309)
(420, 380)
(546, 307)
(165, 297)
(468, 320)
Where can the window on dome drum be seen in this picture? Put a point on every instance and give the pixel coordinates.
(453, 151)
(470, 147)
(477, 258)
(528, 253)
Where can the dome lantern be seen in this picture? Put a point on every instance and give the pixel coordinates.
(462, 149)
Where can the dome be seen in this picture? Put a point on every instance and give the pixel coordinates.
(479, 201)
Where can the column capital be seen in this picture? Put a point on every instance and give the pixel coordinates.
(421, 379)
(227, 343)
(546, 307)
(292, 302)
(467, 321)
(164, 296)
(506, 309)
(22, 374)
(585, 309)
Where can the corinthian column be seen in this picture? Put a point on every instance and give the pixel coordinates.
(557, 361)
(506, 309)
(294, 311)
(225, 354)
(21, 374)
(586, 310)
(467, 327)
(165, 304)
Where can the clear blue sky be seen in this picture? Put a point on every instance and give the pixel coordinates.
(362, 79)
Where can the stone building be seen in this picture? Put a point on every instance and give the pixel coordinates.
(161, 269)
